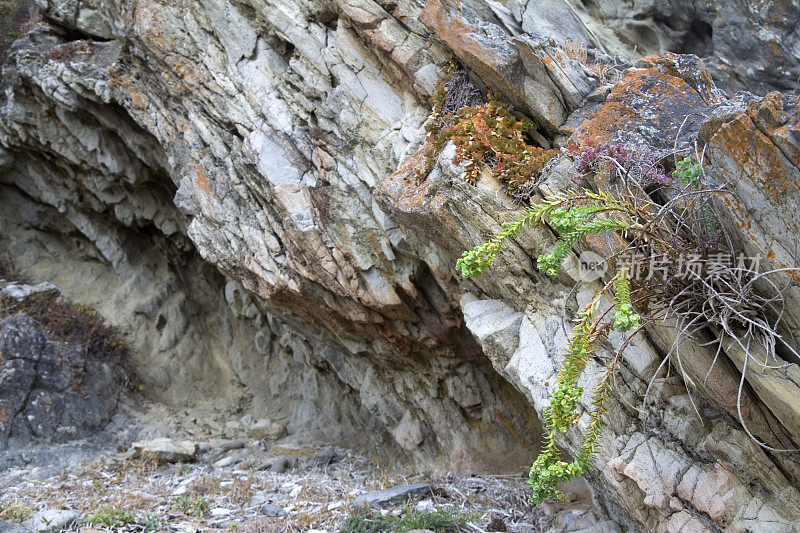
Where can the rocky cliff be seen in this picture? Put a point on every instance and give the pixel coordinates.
(228, 181)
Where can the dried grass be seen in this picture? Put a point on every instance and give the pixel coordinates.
(323, 496)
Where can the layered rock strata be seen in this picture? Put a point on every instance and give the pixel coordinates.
(220, 178)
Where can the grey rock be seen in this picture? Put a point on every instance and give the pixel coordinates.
(271, 510)
(52, 392)
(50, 520)
(167, 449)
(228, 461)
(279, 465)
(266, 497)
(45, 472)
(10, 527)
(394, 495)
(325, 457)
(257, 500)
(494, 324)
(266, 430)
(21, 291)
(228, 446)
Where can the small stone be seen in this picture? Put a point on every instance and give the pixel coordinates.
(398, 494)
(40, 473)
(266, 497)
(230, 445)
(9, 527)
(279, 465)
(257, 500)
(21, 291)
(424, 505)
(228, 461)
(272, 510)
(166, 449)
(268, 429)
(50, 520)
(325, 457)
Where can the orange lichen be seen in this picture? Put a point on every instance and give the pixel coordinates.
(456, 32)
(411, 196)
(137, 98)
(201, 181)
(612, 117)
(759, 159)
(648, 99)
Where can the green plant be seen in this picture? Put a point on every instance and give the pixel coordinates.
(14, 511)
(151, 522)
(575, 216)
(659, 236)
(688, 172)
(366, 522)
(485, 135)
(111, 517)
(565, 212)
(439, 520)
(197, 507)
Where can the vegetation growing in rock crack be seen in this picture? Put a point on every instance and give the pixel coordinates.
(662, 222)
(485, 134)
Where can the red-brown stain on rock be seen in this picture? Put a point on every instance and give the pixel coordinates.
(201, 181)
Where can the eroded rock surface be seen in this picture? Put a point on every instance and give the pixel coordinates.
(220, 178)
(51, 392)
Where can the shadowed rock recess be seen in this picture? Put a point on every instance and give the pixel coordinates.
(230, 182)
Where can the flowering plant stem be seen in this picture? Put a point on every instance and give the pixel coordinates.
(575, 216)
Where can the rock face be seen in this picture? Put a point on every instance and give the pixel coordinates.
(746, 45)
(351, 332)
(51, 392)
(231, 182)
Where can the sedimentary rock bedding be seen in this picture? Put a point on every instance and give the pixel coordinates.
(235, 184)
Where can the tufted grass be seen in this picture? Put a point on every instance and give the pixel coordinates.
(439, 520)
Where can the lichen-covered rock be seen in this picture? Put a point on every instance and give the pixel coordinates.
(649, 106)
(533, 74)
(746, 45)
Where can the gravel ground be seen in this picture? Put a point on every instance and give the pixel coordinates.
(230, 486)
